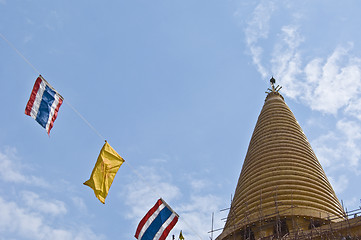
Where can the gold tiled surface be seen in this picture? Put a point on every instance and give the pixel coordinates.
(281, 174)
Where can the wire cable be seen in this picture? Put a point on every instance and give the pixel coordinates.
(19, 53)
(91, 126)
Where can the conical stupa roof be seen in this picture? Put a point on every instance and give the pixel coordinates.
(281, 174)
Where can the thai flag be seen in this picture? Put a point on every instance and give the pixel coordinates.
(157, 223)
(44, 103)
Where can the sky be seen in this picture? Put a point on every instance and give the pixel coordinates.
(175, 87)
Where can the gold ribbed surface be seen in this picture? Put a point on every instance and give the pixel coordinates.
(281, 174)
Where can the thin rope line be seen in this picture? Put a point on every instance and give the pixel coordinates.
(31, 65)
(86, 121)
(91, 126)
(18, 52)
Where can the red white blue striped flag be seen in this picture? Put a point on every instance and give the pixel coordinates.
(44, 103)
(157, 223)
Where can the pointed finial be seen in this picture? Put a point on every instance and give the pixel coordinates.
(274, 89)
(272, 80)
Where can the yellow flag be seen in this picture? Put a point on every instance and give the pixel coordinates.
(181, 235)
(104, 171)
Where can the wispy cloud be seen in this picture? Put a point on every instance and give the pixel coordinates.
(351, 142)
(27, 213)
(329, 84)
(30, 224)
(193, 207)
(198, 184)
(286, 59)
(12, 171)
(339, 184)
(339, 153)
(52, 206)
(326, 83)
(256, 30)
(145, 188)
(79, 204)
(196, 215)
(326, 154)
(333, 83)
(339, 148)
(55, 19)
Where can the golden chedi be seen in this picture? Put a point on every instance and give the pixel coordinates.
(282, 188)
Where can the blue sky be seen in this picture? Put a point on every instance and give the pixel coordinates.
(176, 88)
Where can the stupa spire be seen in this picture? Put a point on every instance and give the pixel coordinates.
(273, 88)
(281, 182)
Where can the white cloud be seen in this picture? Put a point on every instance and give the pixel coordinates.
(339, 148)
(142, 192)
(258, 28)
(16, 221)
(194, 209)
(326, 154)
(198, 184)
(196, 216)
(286, 59)
(54, 21)
(327, 83)
(11, 170)
(27, 214)
(331, 84)
(351, 143)
(340, 184)
(324, 84)
(79, 204)
(202, 203)
(334, 83)
(354, 108)
(52, 207)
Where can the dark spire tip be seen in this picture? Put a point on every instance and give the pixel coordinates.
(272, 80)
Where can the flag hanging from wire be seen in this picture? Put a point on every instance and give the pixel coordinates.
(44, 104)
(157, 223)
(103, 174)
